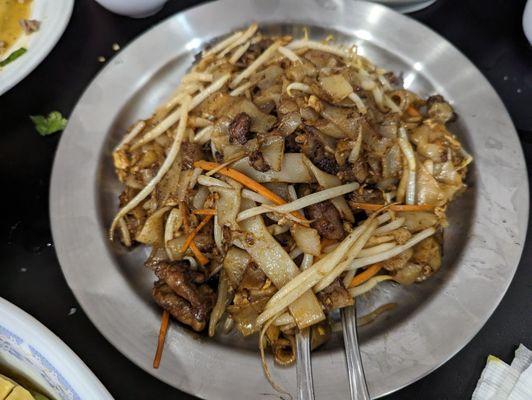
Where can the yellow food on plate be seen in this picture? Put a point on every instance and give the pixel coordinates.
(11, 29)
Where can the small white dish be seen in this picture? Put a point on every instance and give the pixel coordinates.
(28, 348)
(527, 21)
(406, 6)
(54, 16)
(133, 8)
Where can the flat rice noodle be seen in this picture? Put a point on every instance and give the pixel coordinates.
(280, 269)
(184, 181)
(199, 198)
(273, 152)
(230, 151)
(260, 122)
(152, 233)
(234, 264)
(392, 163)
(174, 247)
(330, 129)
(224, 105)
(227, 206)
(246, 316)
(271, 74)
(168, 186)
(416, 221)
(307, 239)
(293, 170)
(428, 190)
(347, 119)
(272, 93)
(336, 86)
(329, 181)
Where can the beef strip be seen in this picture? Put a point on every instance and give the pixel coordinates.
(327, 220)
(335, 296)
(191, 152)
(239, 128)
(356, 172)
(257, 161)
(313, 147)
(291, 145)
(365, 195)
(181, 292)
(178, 307)
(181, 279)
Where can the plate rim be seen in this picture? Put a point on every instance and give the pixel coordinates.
(53, 347)
(524, 209)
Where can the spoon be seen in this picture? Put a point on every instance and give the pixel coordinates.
(355, 371)
(305, 389)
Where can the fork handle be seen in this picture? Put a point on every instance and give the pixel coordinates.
(305, 388)
(357, 381)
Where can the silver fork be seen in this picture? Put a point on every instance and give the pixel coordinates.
(305, 388)
(355, 371)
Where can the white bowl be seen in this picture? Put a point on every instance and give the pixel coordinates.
(28, 348)
(133, 8)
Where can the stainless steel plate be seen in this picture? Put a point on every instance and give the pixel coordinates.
(433, 320)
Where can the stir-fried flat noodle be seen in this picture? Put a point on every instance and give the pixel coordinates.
(282, 178)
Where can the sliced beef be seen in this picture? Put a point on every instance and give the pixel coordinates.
(178, 307)
(365, 195)
(314, 148)
(191, 153)
(239, 129)
(291, 145)
(354, 172)
(257, 161)
(181, 279)
(327, 220)
(335, 296)
(181, 292)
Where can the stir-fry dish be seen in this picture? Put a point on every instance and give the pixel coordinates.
(283, 178)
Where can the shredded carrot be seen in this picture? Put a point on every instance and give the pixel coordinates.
(246, 181)
(198, 254)
(205, 211)
(393, 207)
(193, 234)
(365, 275)
(162, 337)
(413, 112)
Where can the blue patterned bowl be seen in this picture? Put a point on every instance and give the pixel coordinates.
(28, 348)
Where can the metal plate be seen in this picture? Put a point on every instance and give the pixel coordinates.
(432, 322)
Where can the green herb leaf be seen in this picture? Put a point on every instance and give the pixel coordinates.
(12, 57)
(48, 125)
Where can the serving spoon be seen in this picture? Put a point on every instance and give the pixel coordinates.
(355, 371)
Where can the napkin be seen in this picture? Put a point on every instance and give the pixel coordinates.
(500, 381)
